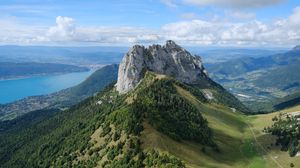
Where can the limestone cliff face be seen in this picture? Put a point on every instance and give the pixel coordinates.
(169, 59)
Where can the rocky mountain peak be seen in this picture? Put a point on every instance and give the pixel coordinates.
(171, 45)
(169, 59)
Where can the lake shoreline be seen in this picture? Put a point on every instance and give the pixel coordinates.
(16, 89)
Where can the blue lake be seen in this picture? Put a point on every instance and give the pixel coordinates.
(15, 89)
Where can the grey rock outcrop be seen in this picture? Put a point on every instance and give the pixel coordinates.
(169, 59)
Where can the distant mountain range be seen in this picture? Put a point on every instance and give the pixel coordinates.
(287, 102)
(10, 70)
(63, 55)
(219, 55)
(260, 79)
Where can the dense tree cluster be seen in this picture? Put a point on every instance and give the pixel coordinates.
(287, 130)
(171, 114)
(63, 138)
(51, 138)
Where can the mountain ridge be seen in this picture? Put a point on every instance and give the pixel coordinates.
(109, 128)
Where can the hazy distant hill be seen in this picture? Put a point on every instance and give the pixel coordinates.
(288, 101)
(13, 70)
(218, 55)
(260, 79)
(64, 55)
(247, 64)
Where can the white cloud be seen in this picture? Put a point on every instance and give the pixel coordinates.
(252, 33)
(67, 32)
(12, 32)
(234, 3)
(65, 29)
(169, 3)
(294, 19)
(189, 16)
(284, 32)
(241, 15)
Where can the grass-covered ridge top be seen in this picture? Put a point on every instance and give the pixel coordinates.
(219, 94)
(170, 113)
(157, 102)
(106, 130)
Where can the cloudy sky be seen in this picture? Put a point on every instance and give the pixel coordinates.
(255, 23)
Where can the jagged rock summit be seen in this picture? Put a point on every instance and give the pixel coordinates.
(169, 59)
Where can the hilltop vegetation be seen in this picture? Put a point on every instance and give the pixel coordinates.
(106, 129)
(273, 152)
(155, 125)
(172, 115)
(286, 129)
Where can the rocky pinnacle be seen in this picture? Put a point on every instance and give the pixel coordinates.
(169, 59)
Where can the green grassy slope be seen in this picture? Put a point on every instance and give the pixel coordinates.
(230, 133)
(105, 130)
(155, 125)
(39, 144)
(240, 138)
(100, 131)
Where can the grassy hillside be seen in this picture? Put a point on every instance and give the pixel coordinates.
(162, 123)
(106, 130)
(240, 138)
(230, 133)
